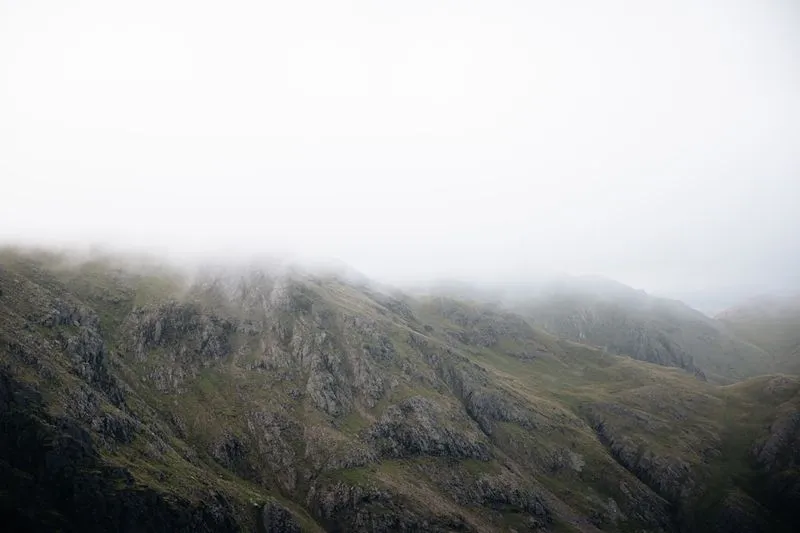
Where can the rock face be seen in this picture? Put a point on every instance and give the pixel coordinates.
(419, 426)
(186, 339)
(342, 507)
(277, 519)
(778, 454)
(497, 488)
(180, 329)
(247, 400)
(667, 476)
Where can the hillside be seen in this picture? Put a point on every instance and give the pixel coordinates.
(246, 398)
(772, 324)
(622, 320)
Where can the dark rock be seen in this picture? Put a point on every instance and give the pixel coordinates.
(418, 426)
(277, 519)
(58, 481)
(341, 508)
(185, 330)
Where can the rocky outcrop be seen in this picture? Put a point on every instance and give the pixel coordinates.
(328, 450)
(231, 452)
(738, 513)
(469, 383)
(778, 459)
(275, 436)
(669, 477)
(186, 331)
(781, 448)
(341, 507)
(370, 335)
(503, 491)
(327, 390)
(277, 519)
(185, 337)
(77, 331)
(419, 426)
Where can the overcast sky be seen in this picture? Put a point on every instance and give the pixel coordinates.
(657, 143)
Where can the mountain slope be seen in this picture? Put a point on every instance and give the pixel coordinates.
(772, 324)
(236, 398)
(625, 321)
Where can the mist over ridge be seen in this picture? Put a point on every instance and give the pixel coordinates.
(654, 145)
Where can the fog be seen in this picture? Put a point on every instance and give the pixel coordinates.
(655, 143)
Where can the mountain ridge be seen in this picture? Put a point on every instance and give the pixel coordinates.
(292, 402)
(613, 316)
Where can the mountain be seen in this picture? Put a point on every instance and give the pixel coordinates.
(712, 301)
(148, 398)
(623, 320)
(773, 324)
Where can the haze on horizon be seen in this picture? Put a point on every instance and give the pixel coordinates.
(653, 144)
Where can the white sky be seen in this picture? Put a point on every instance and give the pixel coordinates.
(653, 142)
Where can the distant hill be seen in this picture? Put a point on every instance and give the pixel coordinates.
(773, 324)
(627, 321)
(712, 301)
